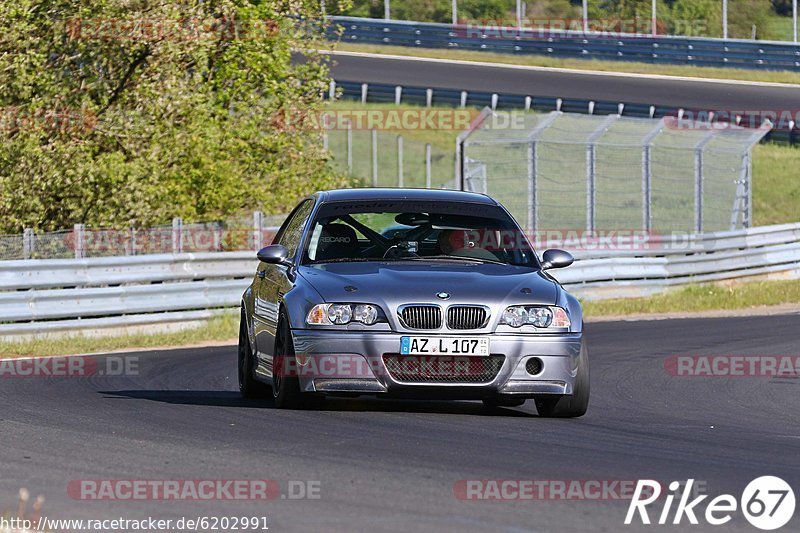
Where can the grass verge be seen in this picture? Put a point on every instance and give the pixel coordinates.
(579, 64)
(702, 297)
(217, 329)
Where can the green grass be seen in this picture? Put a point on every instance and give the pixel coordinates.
(581, 64)
(698, 298)
(442, 143)
(220, 328)
(776, 184)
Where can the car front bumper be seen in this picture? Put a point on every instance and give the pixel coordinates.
(352, 363)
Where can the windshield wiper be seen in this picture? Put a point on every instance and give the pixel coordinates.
(354, 260)
(455, 258)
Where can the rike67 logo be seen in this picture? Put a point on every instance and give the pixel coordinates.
(767, 503)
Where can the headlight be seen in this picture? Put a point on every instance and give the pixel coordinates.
(340, 314)
(538, 316)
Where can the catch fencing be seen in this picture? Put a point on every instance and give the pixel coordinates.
(82, 241)
(599, 173)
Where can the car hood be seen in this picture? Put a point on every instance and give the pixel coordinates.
(394, 284)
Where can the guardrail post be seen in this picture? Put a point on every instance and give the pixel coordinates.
(177, 235)
(27, 243)
(398, 94)
(374, 157)
(428, 97)
(258, 230)
(332, 90)
(428, 166)
(364, 90)
(400, 180)
(464, 99)
(78, 238)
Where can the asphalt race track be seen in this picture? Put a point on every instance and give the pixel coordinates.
(623, 88)
(392, 465)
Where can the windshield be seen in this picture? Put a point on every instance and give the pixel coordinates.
(416, 231)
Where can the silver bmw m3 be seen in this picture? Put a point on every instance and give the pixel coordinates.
(411, 293)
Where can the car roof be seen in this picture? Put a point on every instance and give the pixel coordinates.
(442, 195)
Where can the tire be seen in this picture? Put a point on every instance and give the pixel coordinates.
(249, 387)
(503, 401)
(285, 389)
(569, 406)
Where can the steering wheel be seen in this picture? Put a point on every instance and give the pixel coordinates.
(398, 252)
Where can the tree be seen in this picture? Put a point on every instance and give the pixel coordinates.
(119, 110)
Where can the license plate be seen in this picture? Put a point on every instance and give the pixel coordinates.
(444, 346)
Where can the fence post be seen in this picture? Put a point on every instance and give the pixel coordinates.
(325, 141)
(258, 230)
(349, 147)
(400, 180)
(532, 188)
(590, 186)
(27, 243)
(133, 238)
(591, 170)
(647, 174)
(646, 187)
(78, 237)
(177, 235)
(374, 157)
(748, 211)
(698, 179)
(428, 166)
(698, 190)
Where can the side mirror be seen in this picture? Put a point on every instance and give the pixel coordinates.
(274, 254)
(555, 258)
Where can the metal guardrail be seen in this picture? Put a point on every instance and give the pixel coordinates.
(67, 295)
(695, 51)
(385, 93)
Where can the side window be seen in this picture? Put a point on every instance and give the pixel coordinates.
(292, 230)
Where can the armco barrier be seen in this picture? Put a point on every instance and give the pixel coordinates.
(381, 93)
(65, 295)
(765, 55)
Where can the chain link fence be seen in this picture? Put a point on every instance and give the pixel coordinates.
(380, 158)
(81, 241)
(594, 172)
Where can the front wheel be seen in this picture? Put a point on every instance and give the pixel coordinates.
(569, 406)
(285, 385)
(249, 387)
